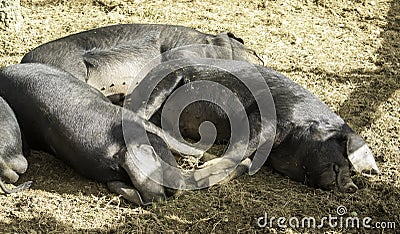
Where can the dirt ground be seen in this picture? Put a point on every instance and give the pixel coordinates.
(347, 52)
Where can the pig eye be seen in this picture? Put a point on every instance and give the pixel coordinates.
(123, 83)
(103, 88)
(112, 85)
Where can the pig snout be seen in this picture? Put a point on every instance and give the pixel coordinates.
(343, 180)
(350, 187)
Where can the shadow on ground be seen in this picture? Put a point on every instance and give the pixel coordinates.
(376, 86)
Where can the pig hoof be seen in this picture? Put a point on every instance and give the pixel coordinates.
(127, 192)
(219, 171)
(23, 186)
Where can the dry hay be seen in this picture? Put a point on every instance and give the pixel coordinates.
(346, 52)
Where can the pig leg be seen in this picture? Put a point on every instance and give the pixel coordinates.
(173, 180)
(145, 171)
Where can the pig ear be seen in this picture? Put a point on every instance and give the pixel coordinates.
(231, 35)
(360, 155)
(221, 40)
(358, 152)
(224, 38)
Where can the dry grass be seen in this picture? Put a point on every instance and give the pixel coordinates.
(346, 52)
